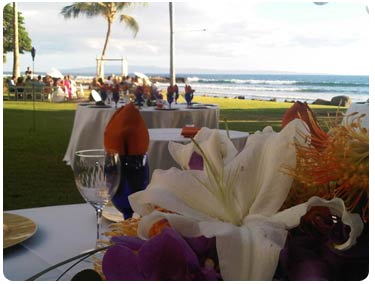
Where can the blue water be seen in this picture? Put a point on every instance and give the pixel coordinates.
(280, 87)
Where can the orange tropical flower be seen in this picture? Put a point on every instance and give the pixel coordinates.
(336, 166)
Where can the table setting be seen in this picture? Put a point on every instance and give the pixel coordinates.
(267, 206)
(91, 120)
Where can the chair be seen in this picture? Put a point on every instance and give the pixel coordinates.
(11, 89)
(20, 92)
(28, 92)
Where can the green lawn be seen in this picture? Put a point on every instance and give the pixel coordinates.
(34, 144)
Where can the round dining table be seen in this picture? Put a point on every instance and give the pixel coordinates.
(90, 122)
(158, 153)
(360, 109)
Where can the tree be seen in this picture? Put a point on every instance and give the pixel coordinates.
(24, 41)
(108, 10)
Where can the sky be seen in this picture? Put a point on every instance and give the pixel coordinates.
(254, 36)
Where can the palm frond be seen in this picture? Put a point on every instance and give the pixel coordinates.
(83, 8)
(130, 22)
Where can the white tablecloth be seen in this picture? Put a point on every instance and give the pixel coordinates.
(362, 108)
(89, 123)
(63, 232)
(159, 157)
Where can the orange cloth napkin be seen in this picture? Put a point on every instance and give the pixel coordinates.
(189, 131)
(127, 132)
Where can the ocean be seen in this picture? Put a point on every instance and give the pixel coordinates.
(279, 87)
(290, 87)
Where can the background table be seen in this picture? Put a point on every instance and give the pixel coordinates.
(89, 123)
(362, 108)
(159, 157)
(63, 232)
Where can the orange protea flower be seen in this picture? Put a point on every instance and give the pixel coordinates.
(127, 227)
(338, 167)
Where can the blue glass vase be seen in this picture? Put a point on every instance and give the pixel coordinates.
(189, 98)
(134, 177)
(170, 99)
(139, 100)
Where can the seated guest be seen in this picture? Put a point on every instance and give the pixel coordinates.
(20, 86)
(48, 81)
(12, 81)
(58, 83)
(38, 81)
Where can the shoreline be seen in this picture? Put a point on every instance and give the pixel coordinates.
(277, 88)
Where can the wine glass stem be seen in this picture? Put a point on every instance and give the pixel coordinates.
(98, 223)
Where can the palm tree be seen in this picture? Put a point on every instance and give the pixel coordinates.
(108, 10)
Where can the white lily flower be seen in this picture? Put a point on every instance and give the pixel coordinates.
(236, 198)
(205, 138)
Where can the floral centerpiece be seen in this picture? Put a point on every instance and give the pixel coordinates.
(139, 96)
(292, 205)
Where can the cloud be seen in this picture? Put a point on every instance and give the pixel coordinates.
(240, 35)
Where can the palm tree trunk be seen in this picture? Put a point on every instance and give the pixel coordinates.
(101, 65)
(16, 49)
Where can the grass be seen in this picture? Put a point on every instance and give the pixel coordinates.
(34, 144)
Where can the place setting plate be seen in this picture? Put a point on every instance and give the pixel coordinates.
(99, 106)
(173, 108)
(16, 229)
(198, 107)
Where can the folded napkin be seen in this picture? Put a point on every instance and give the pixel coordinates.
(189, 131)
(127, 132)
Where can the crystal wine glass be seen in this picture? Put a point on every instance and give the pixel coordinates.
(97, 176)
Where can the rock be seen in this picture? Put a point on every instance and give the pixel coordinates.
(321, 102)
(344, 101)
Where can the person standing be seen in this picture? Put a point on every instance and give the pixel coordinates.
(29, 73)
(67, 89)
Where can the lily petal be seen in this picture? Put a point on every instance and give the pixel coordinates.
(291, 217)
(251, 252)
(180, 192)
(268, 152)
(215, 145)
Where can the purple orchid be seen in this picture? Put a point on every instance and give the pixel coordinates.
(166, 256)
(309, 253)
